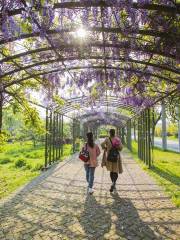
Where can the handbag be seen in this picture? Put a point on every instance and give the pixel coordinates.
(113, 153)
(84, 154)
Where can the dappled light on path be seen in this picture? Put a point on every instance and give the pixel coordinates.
(56, 206)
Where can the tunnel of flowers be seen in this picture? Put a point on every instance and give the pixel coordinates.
(94, 62)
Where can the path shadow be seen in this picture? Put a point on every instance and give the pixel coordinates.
(47, 207)
(168, 176)
(128, 223)
(95, 219)
(117, 220)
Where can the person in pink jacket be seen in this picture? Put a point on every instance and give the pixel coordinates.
(90, 166)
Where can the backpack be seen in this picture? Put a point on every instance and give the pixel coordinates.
(113, 153)
(84, 154)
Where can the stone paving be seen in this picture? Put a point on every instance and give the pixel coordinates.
(56, 206)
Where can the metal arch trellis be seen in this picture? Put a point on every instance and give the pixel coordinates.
(101, 4)
(79, 4)
(145, 146)
(79, 67)
(54, 139)
(97, 29)
(106, 114)
(70, 104)
(69, 59)
(123, 129)
(53, 119)
(73, 108)
(54, 134)
(97, 45)
(18, 81)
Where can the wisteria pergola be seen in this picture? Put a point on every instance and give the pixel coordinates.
(108, 60)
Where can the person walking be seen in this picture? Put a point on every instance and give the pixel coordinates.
(92, 163)
(111, 157)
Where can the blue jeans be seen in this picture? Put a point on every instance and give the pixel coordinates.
(89, 174)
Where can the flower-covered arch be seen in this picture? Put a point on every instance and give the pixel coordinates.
(119, 56)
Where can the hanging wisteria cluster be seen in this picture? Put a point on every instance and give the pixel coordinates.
(123, 48)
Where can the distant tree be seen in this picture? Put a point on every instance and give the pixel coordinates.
(172, 129)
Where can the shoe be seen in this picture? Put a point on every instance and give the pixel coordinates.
(90, 191)
(113, 187)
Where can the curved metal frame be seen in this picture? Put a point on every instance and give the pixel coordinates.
(101, 45)
(107, 101)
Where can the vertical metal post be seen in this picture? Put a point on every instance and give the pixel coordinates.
(59, 137)
(1, 107)
(153, 127)
(134, 128)
(139, 136)
(62, 134)
(179, 131)
(142, 137)
(46, 139)
(50, 139)
(123, 136)
(146, 138)
(149, 138)
(53, 137)
(73, 133)
(129, 135)
(119, 133)
(178, 117)
(164, 133)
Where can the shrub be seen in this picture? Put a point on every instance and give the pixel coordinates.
(28, 155)
(103, 136)
(5, 160)
(28, 166)
(20, 163)
(34, 155)
(38, 167)
(3, 139)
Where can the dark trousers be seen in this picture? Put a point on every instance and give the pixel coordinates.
(114, 177)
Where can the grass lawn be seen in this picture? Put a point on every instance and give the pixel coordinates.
(21, 162)
(172, 138)
(166, 170)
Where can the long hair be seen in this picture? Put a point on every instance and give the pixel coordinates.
(90, 140)
(112, 132)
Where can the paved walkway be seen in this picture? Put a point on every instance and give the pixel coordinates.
(56, 206)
